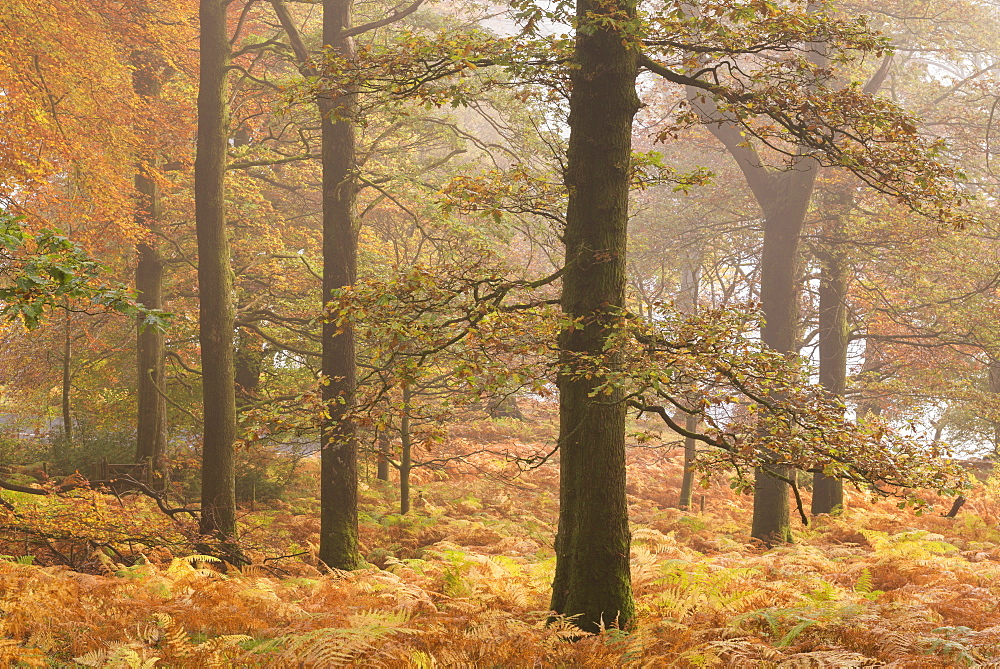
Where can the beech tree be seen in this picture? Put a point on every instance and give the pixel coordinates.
(338, 439)
(151, 412)
(592, 582)
(781, 152)
(215, 277)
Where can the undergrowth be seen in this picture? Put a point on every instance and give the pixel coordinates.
(464, 581)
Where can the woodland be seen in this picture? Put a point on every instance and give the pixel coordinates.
(458, 333)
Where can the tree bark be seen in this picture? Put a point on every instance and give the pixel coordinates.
(687, 302)
(215, 278)
(784, 206)
(383, 455)
(67, 379)
(828, 492)
(406, 454)
(783, 196)
(339, 447)
(248, 363)
(151, 415)
(592, 580)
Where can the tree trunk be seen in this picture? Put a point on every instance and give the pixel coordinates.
(687, 302)
(338, 546)
(151, 415)
(783, 195)
(828, 493)
(785, 212)
(993, 380)
(382, 473)
(215, 279)
(592, 580)
(67, 378)
(687, 480)
(406, 453)
(248, 363)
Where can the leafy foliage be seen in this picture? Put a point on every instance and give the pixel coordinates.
(45, 269)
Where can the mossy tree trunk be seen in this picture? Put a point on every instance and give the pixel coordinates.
(215, 278)
(339, 447)
(592, 579)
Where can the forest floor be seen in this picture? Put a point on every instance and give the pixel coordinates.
(463, 580)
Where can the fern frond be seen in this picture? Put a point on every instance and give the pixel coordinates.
(865, 583)
(829, 658)
(175, 638)
(195, 559)
(94, 658)
(254, 571)
(337, 647)
(418, 659)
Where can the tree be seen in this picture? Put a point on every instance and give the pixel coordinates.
(592, 583)
(834, 337)
(799, 138)
(783, 195)
(444, 336)
(215, 279)
(338, 440)
(151, 413)
(688, 302)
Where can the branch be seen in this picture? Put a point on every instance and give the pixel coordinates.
(269, 162)
(157, 497)
(662, 413)
(294, 37)
(875, 82)
(180, 361)
(399, 12)
(246, 73)
(759, 176)
(244, 13)
(257, 47)
(172, 403)
(20, 488)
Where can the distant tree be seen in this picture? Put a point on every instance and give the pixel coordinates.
(151, 414)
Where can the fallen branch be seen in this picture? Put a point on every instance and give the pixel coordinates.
(157, 497)
(25, 489)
